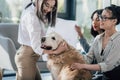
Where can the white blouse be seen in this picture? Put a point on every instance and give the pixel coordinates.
(31, 29)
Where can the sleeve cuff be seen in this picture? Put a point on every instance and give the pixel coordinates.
(39, 51)
(103, 67)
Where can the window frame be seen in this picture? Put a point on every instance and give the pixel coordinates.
(70, 12)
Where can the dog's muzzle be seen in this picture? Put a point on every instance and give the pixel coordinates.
(46, 47)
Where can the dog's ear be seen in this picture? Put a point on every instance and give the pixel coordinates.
(68, 46)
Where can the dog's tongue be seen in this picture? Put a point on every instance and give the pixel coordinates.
(43, 46)
(46, 47)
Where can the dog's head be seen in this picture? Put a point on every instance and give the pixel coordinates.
(51, 41)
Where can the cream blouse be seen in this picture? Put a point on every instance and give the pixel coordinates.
(111, 54)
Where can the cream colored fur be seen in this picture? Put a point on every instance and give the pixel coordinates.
(59, 64)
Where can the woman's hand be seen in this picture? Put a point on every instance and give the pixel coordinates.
(79, 31)
(61, 48)
(77, 66)
(93, 67)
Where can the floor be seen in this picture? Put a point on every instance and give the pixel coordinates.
(10, 75)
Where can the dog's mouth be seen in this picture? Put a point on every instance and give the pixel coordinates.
(46, 47)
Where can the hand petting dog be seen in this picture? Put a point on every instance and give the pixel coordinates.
(61, 48)
(61, 56)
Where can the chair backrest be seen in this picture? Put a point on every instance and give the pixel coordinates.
(10, 30)
(7, 53)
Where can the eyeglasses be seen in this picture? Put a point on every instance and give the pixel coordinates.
(102, 18)
(53, 8)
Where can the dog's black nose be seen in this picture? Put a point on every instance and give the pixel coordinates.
(43, 39)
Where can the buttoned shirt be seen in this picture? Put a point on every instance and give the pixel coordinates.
(111, 54)
(31, 29)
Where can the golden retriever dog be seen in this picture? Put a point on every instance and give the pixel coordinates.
(59, 64)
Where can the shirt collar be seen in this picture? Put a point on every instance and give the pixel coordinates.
(33, 7)
(112, 37)
(115, 35)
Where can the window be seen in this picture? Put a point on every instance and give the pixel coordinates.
(67, 9)
(10, 10)
(62, 6)
(116, 2)
(105, 3)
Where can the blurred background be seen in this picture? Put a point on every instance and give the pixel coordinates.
(77, 10)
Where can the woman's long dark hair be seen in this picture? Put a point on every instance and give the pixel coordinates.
(51, 16)
(92, 31)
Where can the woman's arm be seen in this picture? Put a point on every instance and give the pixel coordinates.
(82, 40)
(93, 67)
(84, 44)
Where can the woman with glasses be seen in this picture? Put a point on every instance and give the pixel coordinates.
(35, 18)
(106, 47)
(95, 29)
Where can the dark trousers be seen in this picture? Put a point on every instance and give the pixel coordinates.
(113, 74)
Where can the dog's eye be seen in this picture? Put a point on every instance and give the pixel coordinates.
(53, 38)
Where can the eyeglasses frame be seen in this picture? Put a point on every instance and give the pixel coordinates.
(101, 18)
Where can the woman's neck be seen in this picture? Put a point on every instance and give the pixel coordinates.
(100, 31)
(109, 33)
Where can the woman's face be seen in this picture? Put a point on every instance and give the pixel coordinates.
(48, 6)
(96, 22)
(106, 21)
